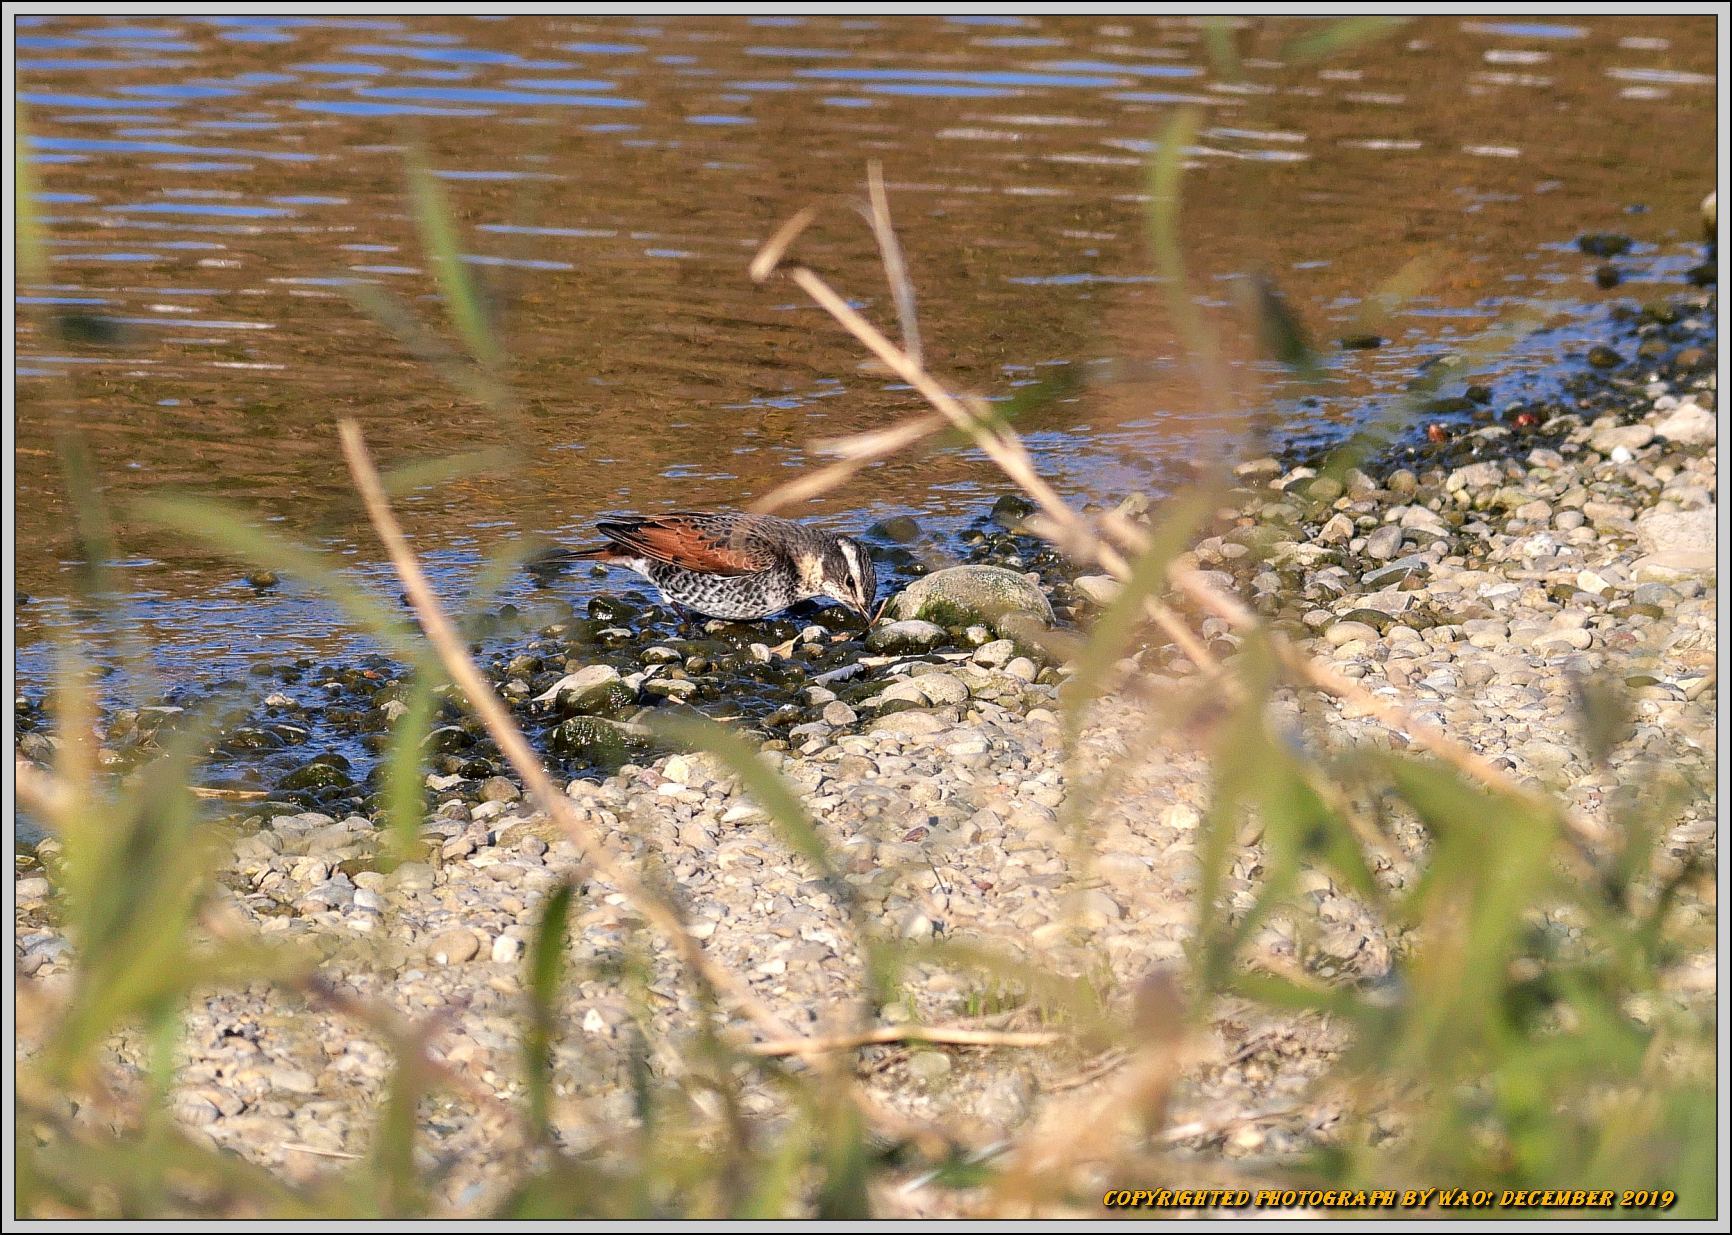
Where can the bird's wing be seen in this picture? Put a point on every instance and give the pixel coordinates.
(713, 544)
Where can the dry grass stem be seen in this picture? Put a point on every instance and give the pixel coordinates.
(449, 646)
(770, 255)
(1392, 714)
(890, 252)
(228, 795)
(294, 1147)
(408, 1039)
(997, 442)
(46, 794)
(1087, 1129)
(857, 452)
(1321, 677)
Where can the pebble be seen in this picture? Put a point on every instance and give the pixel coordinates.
(1351, 632)
(1097, 589)
(1688, 425)
(1384, 542)
(940, 689)
(1680, 535)
(908, 635)
(454, 947)
(1630, 437)
(286, 1079)
(1095, 909)
(929, 1067)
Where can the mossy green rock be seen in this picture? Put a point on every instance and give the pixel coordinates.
(1010, 603)
(593, 691)
(596, 739)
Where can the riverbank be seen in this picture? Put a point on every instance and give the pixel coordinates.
(1477, 579)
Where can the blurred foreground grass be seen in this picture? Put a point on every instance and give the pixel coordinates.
(1523, 1037)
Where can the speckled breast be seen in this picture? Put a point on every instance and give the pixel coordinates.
(733, 597)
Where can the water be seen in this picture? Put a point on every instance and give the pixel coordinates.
(212, 187)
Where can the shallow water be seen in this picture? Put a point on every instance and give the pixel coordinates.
(212, 187)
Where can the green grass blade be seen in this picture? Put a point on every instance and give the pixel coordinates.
(1113, 629)
(1021, 408)
(1221, 41)
(771, 792)
(1280, 333)
(405, 478)
(1165, 178)
(402, 777)
(434, 219)
(545, 965)
(1340, 37)
(28, 235)
(845, 1159)
(396, 1181)
(229, 530)
(393, 316)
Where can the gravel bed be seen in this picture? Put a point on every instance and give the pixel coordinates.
(1478, 586)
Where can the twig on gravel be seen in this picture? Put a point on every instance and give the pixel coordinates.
(297, 1147)
(948, 1035)
(1221, 1127)
(1107, 1061)
(986, 1153)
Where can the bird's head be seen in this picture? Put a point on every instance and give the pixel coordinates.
(848, 575)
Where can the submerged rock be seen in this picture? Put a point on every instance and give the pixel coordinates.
(1010, 510)
(1604, 244)
(321, 773)
(899, 528)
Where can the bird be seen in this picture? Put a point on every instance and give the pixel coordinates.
(736, 565)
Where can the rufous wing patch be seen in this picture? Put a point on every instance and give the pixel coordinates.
(682, 542)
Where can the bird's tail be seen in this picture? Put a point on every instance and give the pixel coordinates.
(555, 558)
